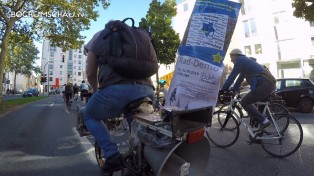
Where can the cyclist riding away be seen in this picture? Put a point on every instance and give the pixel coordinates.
(261, 81)
(75, 91)
(83, 89)
(111, 95)
(68, 94)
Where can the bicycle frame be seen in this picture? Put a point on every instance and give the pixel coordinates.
(231, 108)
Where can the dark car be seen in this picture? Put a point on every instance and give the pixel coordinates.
(27, 94)
(31, 92)
(297, 93)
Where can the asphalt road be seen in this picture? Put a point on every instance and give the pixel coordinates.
(39, 139)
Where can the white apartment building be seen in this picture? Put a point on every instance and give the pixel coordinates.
(61, 67)
(268, 31)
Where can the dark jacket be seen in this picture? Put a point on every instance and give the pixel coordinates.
(249, 69)
(68, 89)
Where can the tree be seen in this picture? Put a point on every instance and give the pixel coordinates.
(21, 58)
(158, 21)
(304, 9)
(59, 21)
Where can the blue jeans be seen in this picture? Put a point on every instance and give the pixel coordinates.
(110, 102)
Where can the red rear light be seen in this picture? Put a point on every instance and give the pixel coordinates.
(195, 136)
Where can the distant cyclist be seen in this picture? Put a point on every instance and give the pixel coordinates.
(84, 89)
(68, 94)
(75, 91)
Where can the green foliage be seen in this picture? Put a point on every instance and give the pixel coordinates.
(21, 55)
(158, 20)
(61, 21)
(304, 9)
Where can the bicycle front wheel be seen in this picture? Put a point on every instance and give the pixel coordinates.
(224, 130)
(289, 143)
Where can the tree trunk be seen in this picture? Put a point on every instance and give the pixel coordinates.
(3, 51)
(14, 87)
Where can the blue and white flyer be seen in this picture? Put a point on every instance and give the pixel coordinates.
(199, 65)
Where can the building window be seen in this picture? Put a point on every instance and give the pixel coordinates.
(50, 67)
(185, 7)
(79, 67)
(79, 62)
(248, 50)
(60, 72)
(250, 28)
(78, 73)
(50, 78)
(312, 24)
(51, 54)
(312, 40)
(258, 49)
(53, 49)
(80, 56)
(60, 66)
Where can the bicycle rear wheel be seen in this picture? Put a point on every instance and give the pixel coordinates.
(281, 120)
(292, 137)
(277, 108)
(224, 130)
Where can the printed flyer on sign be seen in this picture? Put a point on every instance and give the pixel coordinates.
(199, 65)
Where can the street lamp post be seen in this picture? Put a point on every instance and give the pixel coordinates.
(47, 78)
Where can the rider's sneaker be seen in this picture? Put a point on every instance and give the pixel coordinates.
(113, 163)
(263, 126)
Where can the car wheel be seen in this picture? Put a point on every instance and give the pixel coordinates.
(305, 105)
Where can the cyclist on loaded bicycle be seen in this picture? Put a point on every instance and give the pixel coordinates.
(111, 95)
(261, 81)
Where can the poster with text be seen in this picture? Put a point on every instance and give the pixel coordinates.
(199, 65)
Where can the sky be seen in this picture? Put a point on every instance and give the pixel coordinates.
(118, 10)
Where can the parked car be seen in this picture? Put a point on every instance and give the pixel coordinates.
(297, 93)
(31, 92)
(27, 94)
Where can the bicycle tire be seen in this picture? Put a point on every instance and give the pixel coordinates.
(223, 134)
(289, 143)
(277, 108)
(99, 156)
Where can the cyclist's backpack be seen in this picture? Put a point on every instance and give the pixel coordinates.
(131, 52)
